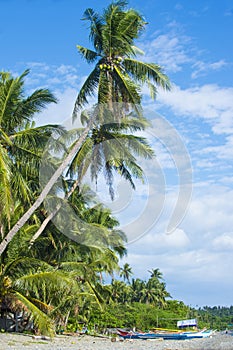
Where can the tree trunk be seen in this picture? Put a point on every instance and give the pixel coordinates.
(67, 318)
(1, 231)
(45, 191)
(51, 215)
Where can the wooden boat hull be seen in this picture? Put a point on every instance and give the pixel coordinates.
(165, 335)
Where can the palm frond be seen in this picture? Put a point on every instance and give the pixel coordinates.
(17, 267)
(104, 89)
(137, 50)
(112, 15)
(129, 90)
(143, 72)
(41, 320)
(130, 26)
(137, 145)
(95, 28)
(6, 203)
(126, 124)
(81, 157)
(33, 104)
(10, 91)
(88, 89)
(89, 55)
(21, 186)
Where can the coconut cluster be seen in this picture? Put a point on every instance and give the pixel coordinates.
(108, 65)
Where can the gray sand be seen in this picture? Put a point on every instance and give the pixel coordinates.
(18, 341)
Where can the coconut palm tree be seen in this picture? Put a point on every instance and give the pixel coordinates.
(137, 286)
(126, 272)
(112, 147)
(109, 148)
(156, 290)
(21, 144)
(34, 288)
(89, 261)
(116, 77)
(156, 273)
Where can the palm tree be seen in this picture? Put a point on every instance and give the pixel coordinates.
(156, 288)
(112, 147)
(108, 148)
(34, 288)
(90, 261)
(119, 290)
(156, 273)
(21, 145)
(26, 216)
(117, 77)
(126, 272)
(137, 286)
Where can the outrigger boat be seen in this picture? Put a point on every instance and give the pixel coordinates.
(164, 335)
(129, 334)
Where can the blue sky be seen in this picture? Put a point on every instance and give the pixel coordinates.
(192, 41)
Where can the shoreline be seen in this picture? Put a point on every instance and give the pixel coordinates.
(16, 341)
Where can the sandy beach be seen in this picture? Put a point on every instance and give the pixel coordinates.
(19, 341)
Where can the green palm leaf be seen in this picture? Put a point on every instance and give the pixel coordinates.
(41, 320)
(88, 89)
(95, 28)
(5, 185)
(130, 91)
(144, 72)
(89, 55)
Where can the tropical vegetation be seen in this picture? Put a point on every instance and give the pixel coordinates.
(53, 271)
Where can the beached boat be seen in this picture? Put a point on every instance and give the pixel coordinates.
(178, 336)
(205, 333)
(129, 334)
(151, 335)
(164, 335)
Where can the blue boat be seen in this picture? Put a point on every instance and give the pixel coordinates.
(164, 335)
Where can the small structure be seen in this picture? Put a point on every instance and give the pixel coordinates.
(187, 323)
(14, 321)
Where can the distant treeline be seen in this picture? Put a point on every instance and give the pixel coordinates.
(219, 317)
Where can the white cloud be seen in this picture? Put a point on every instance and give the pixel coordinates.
(211, 103)
(209, 214)
(52, 76)
(203, 68)
(60, 112)
(224, 242)
(175, 51)
(195, 256)
(169, 50)
(154, 243)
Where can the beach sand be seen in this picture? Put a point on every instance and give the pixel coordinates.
(14, 341)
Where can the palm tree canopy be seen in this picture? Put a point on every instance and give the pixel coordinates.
(126, 272)
(112, 147)
(156, 273)
(21, 142)
(117, 75)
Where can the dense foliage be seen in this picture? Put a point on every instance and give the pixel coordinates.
(216, 317)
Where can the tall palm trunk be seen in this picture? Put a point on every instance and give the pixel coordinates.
(52, 215)
(45, 191)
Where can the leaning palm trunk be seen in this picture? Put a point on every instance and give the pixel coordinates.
(52, 215)
(45, 191)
